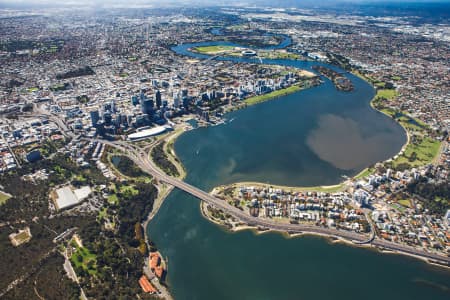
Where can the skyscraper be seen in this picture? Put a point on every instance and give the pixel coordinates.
(107, 118)
(134, 100)
(158, 99)
(176, 99)
(147, 106)
(95, 117)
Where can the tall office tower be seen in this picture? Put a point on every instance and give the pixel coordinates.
(95, 117)
(176, 99)
(158, 99)
(147, 106)
(107, 118)
(134, 100)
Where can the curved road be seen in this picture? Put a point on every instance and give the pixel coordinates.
(142, 160)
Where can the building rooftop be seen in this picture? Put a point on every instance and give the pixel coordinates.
(66, 198)
(147, 133)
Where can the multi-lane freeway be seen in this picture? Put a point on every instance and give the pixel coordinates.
(141, 158)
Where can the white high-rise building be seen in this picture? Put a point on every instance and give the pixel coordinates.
(176, 98)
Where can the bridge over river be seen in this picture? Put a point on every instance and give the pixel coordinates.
(141, 158)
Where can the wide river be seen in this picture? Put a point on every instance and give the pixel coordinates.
(312, 137)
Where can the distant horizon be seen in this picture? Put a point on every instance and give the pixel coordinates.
(205, 3)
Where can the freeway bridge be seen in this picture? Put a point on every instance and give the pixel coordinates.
(142, 159)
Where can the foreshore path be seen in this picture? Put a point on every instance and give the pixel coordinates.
(142, 159)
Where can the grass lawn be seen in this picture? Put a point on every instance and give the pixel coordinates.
(129, 189)
(325, 189)
(102, 213)
(4, 197)
(213, 49)
(380, 84)
(426, 151)
(271, 95)
(113, 199)
(398, 207)
(388, 94)
(83, 258)
(79, 177)
(32, 89)
(405, 202)
(364, 173)
(279, 55)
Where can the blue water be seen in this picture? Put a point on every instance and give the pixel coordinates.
(307, 138)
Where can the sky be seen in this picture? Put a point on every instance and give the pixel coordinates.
(199, 2)
(281, 2)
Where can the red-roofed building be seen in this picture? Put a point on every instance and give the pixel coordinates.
(154, 260)
(146, 285)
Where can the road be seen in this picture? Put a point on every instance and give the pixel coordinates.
(141, 158)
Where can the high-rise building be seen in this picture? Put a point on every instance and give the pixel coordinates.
(147, 106)
(205, 115)
(118, 120)
(134, 100)
(107, 118)
(186, 103)
(176, 99)
(158, 99)
(95, 117)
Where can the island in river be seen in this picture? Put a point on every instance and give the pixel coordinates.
(340, 81)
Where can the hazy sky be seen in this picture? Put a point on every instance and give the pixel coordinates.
(199, 2)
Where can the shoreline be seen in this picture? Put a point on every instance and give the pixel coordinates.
(324, 188)
(321, 188)
(331, 239)
(253, 100)
(164, 191)
(330, 188)
(408, 137)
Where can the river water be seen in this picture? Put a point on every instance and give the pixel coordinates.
(312, 137)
